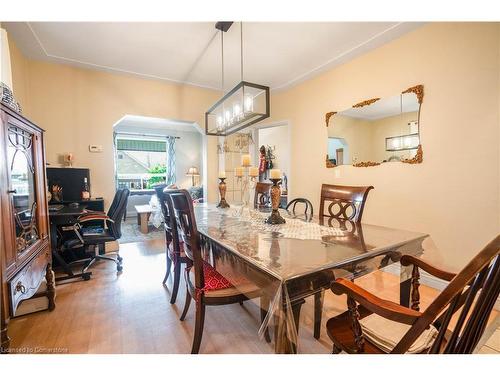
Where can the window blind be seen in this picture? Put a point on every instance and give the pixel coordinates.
(140, 145)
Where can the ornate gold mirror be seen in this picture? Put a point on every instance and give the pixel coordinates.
(376, 131)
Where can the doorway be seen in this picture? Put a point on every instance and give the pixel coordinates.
(275, 140)
(148, 152)
(340, 156)
(338, 151)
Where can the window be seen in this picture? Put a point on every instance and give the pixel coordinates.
(141, 162)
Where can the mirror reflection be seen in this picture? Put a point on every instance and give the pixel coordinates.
(375, 131)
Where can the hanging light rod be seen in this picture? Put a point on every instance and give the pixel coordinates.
(244, 105)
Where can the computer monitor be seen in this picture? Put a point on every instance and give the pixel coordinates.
(71, 181)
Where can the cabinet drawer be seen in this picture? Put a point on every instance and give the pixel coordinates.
(25, 284)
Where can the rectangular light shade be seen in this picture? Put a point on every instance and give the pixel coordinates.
(402, 142)
(246, 104)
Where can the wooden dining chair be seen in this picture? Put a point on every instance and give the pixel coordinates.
(262, 197)
(174, 250)
(204, 284)
(307, 206)
(469, 298)
(338, 203)
(344, 202)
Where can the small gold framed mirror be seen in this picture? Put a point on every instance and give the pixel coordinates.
(376, 131)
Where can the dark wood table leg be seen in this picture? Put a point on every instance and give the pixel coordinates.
(284, 344)
(318, 312)
(404, 292)
(405, 285)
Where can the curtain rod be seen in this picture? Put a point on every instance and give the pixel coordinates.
(148, 135)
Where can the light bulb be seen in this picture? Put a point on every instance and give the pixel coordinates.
(219, 120)
(228, 116)
(248, 103)
(407, 142)
(395, 143)
(236, 110)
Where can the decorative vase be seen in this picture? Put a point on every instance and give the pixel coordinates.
(275, 217)
(222, 191)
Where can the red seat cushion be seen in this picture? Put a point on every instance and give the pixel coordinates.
(215, 281)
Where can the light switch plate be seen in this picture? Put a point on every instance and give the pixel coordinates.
(95, 148)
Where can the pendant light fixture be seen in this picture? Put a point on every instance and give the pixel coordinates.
(244, 105)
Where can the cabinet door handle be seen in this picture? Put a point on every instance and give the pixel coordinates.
(14, 191)
(20, 287)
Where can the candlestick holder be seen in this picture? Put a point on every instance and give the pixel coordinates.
(246, 183)
(222, 190)
(275, 217)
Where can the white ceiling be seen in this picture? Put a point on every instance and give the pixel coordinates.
(385, 107)
(277, 54)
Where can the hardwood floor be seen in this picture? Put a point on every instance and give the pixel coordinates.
(131, 313)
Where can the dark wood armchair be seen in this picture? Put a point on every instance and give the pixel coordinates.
(262, 197)
(470, 295)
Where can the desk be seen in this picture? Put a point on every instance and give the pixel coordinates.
(66, 216)
(298, 259)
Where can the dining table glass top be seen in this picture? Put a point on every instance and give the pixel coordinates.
(302, 245)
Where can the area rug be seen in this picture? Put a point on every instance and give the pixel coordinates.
(131, 232)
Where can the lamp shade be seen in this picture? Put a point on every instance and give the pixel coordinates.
(246, 104)
(192, 171)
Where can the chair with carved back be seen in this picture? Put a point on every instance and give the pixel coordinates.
(344, 202)
(174, 249)
(338, 204)
(262, 197)
(204, 284)
(468, 300)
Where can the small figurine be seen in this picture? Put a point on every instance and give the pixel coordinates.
(57, 193)
(262, 163)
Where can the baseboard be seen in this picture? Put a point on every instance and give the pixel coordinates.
(428, 280)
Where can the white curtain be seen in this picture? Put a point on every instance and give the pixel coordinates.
(171, 160)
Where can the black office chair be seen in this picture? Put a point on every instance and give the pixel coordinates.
(89, 237)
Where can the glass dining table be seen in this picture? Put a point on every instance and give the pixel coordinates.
(298, 259)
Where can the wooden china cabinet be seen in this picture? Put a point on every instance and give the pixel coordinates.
(24, 227)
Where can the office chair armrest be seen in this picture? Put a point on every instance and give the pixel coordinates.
(94, 217)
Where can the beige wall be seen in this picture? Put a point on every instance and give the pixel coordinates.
(78, 107)
(19, 66)
(357, 134)
(454, 194)
(277, 136)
